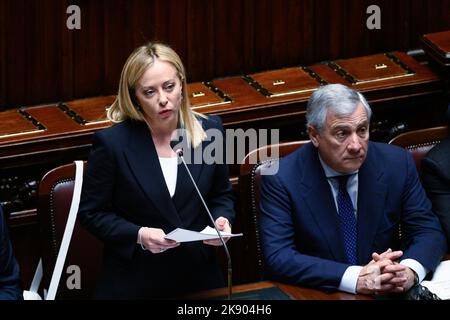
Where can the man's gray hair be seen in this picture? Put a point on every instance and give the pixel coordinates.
(338, 99)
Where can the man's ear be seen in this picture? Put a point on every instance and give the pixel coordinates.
(313, 135)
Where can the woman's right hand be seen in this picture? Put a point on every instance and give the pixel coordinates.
(153, 240)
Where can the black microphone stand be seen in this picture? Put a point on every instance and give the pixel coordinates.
(179, 152)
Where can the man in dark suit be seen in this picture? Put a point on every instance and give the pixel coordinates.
(9, 269)
(436, 180)
(330, 216)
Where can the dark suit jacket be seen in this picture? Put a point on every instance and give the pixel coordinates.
(436, 181)
(302, 243)
(10, 286)
(124, 189)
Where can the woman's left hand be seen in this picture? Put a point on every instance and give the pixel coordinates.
(223, 225)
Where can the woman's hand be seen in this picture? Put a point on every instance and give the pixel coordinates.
(153, 240)
(223, 225)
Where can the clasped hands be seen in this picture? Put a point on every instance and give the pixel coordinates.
(383, 274)
(153, 239)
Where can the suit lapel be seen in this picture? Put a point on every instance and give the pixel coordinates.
(318, 196)
(144, 164)
(371, 198)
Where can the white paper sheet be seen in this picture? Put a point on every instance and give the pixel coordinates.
(183, 235)
(440, 283)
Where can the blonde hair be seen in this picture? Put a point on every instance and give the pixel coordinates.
(125, 106)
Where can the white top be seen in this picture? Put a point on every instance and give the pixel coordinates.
(169, 168)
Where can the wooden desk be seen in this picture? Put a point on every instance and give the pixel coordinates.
(295, 292)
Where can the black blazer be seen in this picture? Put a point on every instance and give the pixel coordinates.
(10, 286)
(124, 189)
(436, 181)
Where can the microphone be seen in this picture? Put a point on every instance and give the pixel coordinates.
(179, 153)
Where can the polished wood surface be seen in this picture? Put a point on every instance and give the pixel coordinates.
(294, 292)
(300, 293)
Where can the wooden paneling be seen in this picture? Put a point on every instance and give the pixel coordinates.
(44, 62)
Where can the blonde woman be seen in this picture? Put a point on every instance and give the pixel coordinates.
(134, 191)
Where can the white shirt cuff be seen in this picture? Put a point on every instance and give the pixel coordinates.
(416, 266)
(349, 279)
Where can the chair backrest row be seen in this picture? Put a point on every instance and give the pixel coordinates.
(419, 142)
